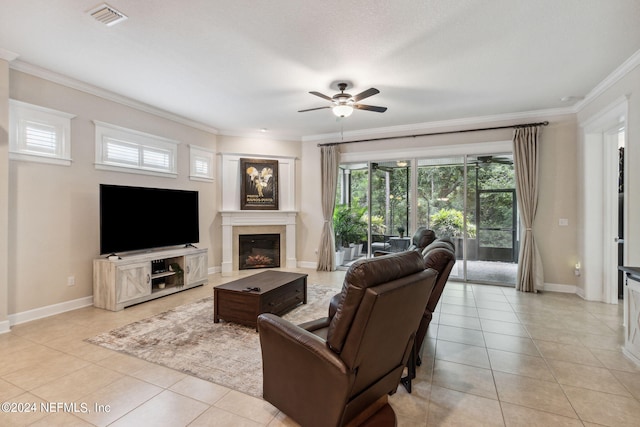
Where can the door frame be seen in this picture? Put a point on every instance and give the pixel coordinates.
(611, 218)
(598, 179)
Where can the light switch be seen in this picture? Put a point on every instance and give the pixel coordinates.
(563, 222)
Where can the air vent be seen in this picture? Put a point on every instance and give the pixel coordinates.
(107, 15)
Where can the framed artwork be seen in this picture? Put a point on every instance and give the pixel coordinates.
(259, 184)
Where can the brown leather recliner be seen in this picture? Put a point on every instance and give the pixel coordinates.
(420, 240)
(327, 372)
(439, 256)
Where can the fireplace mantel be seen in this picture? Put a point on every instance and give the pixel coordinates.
(256, 218)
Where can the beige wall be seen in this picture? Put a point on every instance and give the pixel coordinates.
(310, 220)
(54, 218)
(557, 199)
(558, 245)
(4, 193)
(258, 146)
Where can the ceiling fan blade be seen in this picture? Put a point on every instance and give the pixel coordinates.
(370, 108)
(321, 95)
(311, 109)
(367, 93)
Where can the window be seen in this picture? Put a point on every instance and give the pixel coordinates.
(127, 150)
(201, 163)
(39, 134)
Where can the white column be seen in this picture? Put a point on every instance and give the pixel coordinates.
(227, 245)
(292, 261)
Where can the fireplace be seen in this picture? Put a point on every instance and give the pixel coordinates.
(258, 251)
(237, 223)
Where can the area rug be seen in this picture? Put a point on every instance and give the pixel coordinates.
(186, 339)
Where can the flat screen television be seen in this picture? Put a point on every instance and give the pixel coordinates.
(138, 218)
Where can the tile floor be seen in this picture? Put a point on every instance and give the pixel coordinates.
(494, 356)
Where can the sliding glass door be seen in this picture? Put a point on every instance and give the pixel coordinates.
(441, 202)
(469, 199)
(493, 207)
(390, 205)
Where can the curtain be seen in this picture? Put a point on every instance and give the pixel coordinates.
(329, 178)
(525, 155)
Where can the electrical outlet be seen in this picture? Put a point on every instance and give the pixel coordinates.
(71, 281)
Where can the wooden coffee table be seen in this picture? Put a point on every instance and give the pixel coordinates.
(242, 300)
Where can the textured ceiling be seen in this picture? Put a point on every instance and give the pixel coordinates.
(248, 64)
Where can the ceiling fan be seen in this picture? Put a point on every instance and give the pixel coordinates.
(485, 160)
(343, 104)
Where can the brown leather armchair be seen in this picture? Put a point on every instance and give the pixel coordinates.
(327, 372)
(421, 238)
(439, 256)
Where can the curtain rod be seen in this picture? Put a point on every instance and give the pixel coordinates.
(545, 123)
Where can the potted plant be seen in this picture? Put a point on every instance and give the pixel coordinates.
(349, 228)
(179, 274)
(450, 223)
(401, 231)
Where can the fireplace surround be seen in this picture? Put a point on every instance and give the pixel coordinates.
(236, 223)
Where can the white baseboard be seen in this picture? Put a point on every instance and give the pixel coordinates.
(630, 356)
(50, 310)
(556, 287)
(308, 264)
(5, 327)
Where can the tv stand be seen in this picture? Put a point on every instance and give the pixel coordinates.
(137, 278)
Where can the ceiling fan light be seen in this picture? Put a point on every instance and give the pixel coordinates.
(342, 110)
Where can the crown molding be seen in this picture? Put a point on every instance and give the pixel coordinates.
(7, 55)
(632, 62)
(626, 67)
(54, 77)
(259, 135)
(417, 128)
